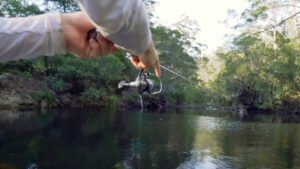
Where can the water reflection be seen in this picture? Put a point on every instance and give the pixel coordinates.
(206, 151)
(87, 139)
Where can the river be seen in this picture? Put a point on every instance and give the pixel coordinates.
(123, 139)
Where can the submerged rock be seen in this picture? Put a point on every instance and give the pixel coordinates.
(18, 92)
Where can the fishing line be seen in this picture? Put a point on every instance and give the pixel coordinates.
(177, 74)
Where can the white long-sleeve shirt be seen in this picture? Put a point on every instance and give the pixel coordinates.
(124, 22)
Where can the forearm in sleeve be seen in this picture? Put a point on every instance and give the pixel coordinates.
(28, 37)
(124, 22)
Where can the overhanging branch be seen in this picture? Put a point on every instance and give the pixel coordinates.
(274, 26)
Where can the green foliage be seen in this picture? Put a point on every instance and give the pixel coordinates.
(257, 75)
(191, 94)
(40, 64)
(96, 97)
(258, 10)
(92, 96)
(171, 47)
(14, 8)
(20, 65)
(95, 80)
(112, 101)
(46, 97)
(175, 98)
(103, 69)
(58, 85)
(62, 5)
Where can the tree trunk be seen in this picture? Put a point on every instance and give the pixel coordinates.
(291, 24)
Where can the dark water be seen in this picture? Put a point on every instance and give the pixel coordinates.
(96, 139)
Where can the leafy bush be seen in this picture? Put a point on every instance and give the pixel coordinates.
(45, 98)
(58, 85)
(112, 101)
(92, 96)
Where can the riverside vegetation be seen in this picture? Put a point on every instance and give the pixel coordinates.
(252, 72)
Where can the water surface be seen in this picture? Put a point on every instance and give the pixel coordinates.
(93, 139)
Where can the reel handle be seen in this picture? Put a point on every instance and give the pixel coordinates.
(92, 34)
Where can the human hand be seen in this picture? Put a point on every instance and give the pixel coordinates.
(148, 59)
(75, 27)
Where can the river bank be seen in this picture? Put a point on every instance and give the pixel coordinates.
(28, 93)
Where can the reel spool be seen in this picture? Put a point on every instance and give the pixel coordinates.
(143, 84)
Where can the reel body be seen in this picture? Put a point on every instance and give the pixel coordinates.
(143, 85)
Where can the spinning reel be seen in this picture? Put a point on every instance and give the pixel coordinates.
(143, 85)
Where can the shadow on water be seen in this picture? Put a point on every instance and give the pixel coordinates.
(99, 138)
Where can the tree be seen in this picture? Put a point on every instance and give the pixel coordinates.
(189, 28)
(15, 8)
(62, 5)
(258, 76)
(266, 17)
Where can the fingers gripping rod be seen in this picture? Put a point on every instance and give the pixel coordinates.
(144, 84)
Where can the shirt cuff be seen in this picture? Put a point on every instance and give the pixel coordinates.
(57, 38)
